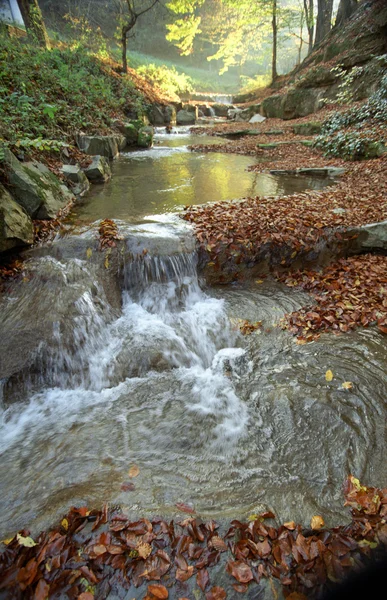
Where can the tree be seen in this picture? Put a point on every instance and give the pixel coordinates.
(309, 15)
(324, 19)
(345, 11)
(129, 16)
(33, 21)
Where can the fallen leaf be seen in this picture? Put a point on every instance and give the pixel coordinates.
(216, 593)
(329, 375)
(347, 385)
(187, 508)
(202, 579)
(159, 591)
(144, 550)
(317, 522)
(89, 253)
(134, 471)
(240, 570)
(128, 486)
(28, 542)
(86, 596)
(42, 590)
(65, 524)
(219, 544)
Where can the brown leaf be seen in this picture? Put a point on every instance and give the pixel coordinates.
(183, 575)
(86, 596)
(240, 570)
(144, 550)
(218, 544)
(128, 486)
(158, 591)
(241, 588)
(42, 590)
(202, 579)
(185, 508)
(216, 593)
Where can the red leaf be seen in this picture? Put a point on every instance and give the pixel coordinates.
(202, 579)
(240, 570)
(216, 593)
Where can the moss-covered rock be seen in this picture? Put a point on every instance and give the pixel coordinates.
(16, 228)
(35, 187)
(145, 137)
(310, 128)
(271, 107)
(301, 102)
(101, 145)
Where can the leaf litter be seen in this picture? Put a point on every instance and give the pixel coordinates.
(102, 549)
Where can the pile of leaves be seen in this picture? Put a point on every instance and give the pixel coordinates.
(350, 293)
(90, 553)
(108, 234)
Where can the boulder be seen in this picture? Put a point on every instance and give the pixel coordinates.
(191, 108)
(301, 102)
(169, 114)
(257, 118)
(74, 175)
(184, 117)
(221, 110)
(128, 130)
(232, 112)
(16, 228)
(145, 137)
(156, 115)
(35, 188)
(101, 145)
(272, 107)
(99, 171)
(310, 128)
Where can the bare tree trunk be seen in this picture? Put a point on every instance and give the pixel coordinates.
(274, 74)
(345, 10)
(33, 21)
(324, 19)
(309, 14)
(124, 50)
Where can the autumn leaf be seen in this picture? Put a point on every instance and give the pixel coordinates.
(347, 385)
(317, 522)
(216, 593)
(89, 253)
(133, 471)
(42, 590)
(65, 524)
(128, 486)
(187, 508)
(158, 591)
(329, 375)
(144, 550)
(218, 544)
(86, 596)
(240, 570)
(28, 542)
(202, 579)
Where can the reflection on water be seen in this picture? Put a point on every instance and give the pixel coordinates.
(169, 176)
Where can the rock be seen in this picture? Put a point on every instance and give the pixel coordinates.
(310, 128)
(239, 133)
(169, 114)
(221, 110)
(16, 228)
(156, 116)
(35, 188)
(74, 175)
(272, 107)
(368, 237)
(232, 112)
(101, 145)
(128, 130)
(184, 117)
(257, 118)
(145, 137)
(311, 172)
(243, 116)
(99, 171)
(301, 102)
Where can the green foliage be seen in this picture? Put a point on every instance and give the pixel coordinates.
(335, 141)
(47, 95)
(166, 78)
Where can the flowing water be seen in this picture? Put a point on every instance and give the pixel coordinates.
(228, 423)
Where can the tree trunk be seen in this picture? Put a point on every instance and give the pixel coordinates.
(274, 73)
(309, 14)
(324, 19)
(345, 10)
(124, 50)
(33, 21)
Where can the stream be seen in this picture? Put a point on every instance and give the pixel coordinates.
(164, 380)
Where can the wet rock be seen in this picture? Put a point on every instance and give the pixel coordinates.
(169, 114)
(311, 128)
(101, 145)
(311, 171)
(156, 116)
(368, 237)
(128, 130)
(221, 110)
(77, 178)
(16, 228)
(145, 137)
(35, 188)
(184, 117)
(99, 170)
